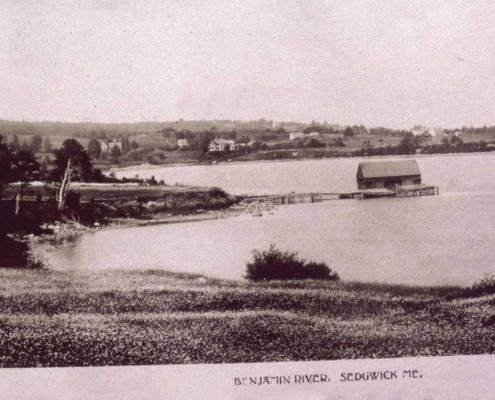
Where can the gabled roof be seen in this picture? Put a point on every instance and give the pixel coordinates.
(379, 169)
(227, 141)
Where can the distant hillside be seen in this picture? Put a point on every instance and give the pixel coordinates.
(93, 129)
(89, 130)
(79, 129)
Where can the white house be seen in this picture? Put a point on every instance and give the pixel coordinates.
(108, 145)
(182, 143)
(104, 146)
(221, 145)
(296, 135)
(419, 130)
(313, 134)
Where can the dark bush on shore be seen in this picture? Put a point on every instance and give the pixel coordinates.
(16, 254)
(273, 264)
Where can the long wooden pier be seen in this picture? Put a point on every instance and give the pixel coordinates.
(398, 191)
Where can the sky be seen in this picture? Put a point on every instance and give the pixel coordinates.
(372, 62)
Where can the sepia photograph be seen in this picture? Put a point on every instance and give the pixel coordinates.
(246, 183)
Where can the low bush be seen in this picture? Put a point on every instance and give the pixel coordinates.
(484, 286)
(273, 264)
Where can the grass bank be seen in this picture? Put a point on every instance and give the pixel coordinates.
(102, 204)
(53, 318)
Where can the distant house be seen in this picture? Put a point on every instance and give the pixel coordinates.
(436, 132)
(419, 130)
(182, 143)
(313, 134)
(337, 128)
(108, 145)
(221, 145)
(104, 146)
(296, 135)
(387, 174)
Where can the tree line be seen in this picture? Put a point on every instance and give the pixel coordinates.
(411, 144)
(36, 144)
(72, 162)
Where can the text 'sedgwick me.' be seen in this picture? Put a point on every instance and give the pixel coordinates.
(386, 375)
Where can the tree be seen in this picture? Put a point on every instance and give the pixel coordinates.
(315, 143)
(115, 152)
(456, 142)
(348, 132)
(35, 144)
(94, 149)
(256, 146)
(24, 169)
(232, 135)
(65, 184)
(244, 139)
(408, 144)
(72, 163)
(152, 181)
(5, 164)
(206, 138)
(125, 144)
(82, 169)
(15, 144)
(24, 166)
(134, 145)
(47, 145)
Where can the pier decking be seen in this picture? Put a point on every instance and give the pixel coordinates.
(398, 191)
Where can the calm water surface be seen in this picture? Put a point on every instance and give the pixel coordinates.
(428, 240)
(452, 173)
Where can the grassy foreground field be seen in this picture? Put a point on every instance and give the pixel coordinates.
(53, 318)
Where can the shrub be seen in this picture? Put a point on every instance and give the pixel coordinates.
(273, 264)
(484, 286)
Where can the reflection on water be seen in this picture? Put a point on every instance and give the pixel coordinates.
(67, 239)
(426, 240)
(452, 173)
(446, 239)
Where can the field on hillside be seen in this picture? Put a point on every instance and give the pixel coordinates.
(76, 318)
(279, 147)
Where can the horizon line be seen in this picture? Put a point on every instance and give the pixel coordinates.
(182, 120)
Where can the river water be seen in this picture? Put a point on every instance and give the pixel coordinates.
(431, 240)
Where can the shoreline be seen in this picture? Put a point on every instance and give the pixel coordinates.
(145, 166)
(67, 230)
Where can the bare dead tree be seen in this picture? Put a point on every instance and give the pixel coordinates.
(64, 186)
(17, 204)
